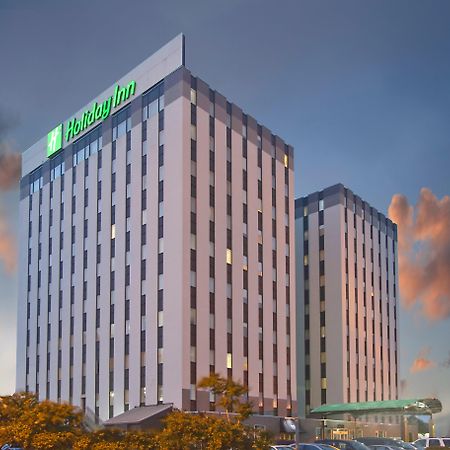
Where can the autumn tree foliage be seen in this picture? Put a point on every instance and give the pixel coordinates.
(207, 432)
(230, 395)
(111, 439)
(34, 425)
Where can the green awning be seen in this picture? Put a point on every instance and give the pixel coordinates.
(414, 406)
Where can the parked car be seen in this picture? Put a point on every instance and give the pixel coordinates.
(11, 447)
(279, 447)
(432, 442)
(328, 447)
(343, 444)
(405, 445)
(306, 446)
(383, 447)
(384, 441)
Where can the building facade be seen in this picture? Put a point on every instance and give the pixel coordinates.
(157, 246)
(347, 300)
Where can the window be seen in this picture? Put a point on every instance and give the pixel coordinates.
(153, 101)
(121, 122)
(229, 256)
(193, 96)
(88, 145)
(36, 180)
(57, 166)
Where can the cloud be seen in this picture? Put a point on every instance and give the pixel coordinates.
(10, 170)
(10, 159)
(424, 252)
(8, 248)
(422, 362)
(10, 167)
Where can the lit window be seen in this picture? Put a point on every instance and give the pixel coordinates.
(193, 96)
(113, 231)
(323, 383)
(229, 256)
(229, 359)
(286, 161)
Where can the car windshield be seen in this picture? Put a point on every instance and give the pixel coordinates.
(337, 444)
(406, 445)
(420, 443)
(355, 445)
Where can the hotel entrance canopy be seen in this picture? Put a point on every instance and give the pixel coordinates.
(425, 406)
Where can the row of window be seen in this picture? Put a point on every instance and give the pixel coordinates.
(193, 372)
(91, 143)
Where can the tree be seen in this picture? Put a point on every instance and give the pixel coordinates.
(230, 395)
(188, 431)
(113, 439)
(33, 424)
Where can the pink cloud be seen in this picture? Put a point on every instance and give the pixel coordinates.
(422, 362)
(424, 252)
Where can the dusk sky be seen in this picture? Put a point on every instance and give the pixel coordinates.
(361, 89)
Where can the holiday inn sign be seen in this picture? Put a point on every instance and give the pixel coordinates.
(98, 111)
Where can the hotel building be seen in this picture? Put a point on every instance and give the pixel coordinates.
(347, 300)
(157, 246)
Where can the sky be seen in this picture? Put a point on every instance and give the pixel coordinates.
(359, 88)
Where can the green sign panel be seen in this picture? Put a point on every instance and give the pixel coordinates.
(54, 140)
(97, 112)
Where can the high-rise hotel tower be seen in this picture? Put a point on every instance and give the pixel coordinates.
(157, 246)
(347, 300)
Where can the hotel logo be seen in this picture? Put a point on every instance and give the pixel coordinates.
(54, 141)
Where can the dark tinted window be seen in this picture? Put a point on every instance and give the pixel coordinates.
(309, 447)
(434, 443)
(358, 446)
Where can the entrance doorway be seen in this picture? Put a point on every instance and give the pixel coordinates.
(339, 433)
